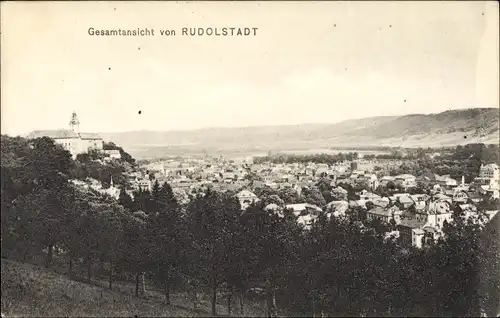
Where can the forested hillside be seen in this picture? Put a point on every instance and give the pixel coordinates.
(449, 128)
(339, 267)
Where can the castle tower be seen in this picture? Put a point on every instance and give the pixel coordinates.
(74, 123)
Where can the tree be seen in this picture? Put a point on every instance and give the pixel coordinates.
(274, 249)
(312, 195)
(169, 235)
(289, 195)
(136, 255)
(125, 200)
(111, 233)
(213, 220)
(460, 249)
(272, 199)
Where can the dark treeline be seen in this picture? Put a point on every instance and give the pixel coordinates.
(460, 161)
(338, 267)
(316, 158)
(480, 152)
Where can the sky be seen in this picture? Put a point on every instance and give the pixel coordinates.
(309, 62)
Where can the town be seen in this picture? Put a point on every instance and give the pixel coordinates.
(355, 186)
(416, 205)
(363, 188)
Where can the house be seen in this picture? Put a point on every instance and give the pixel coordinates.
(406, 201)
(71, 140)
(337, 208)
(381, 202)
(275, 208)
(112, 191)
(115, 154)
(490, 171)
(384, 215)
(411, 232)
(491, 214)
(460, 197)
(368, 196)
(322, 169)
(306, 220)
(246, 198)
(468, 209)
(493, 193)
(445, 180)
(489, 177)
(406, 180)
(373, 181)
(439, 211)
(442, 197)
(432, 234)
(420, 200)
(385, 180)
(303, 208)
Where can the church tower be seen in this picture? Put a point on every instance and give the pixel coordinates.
(74, 124)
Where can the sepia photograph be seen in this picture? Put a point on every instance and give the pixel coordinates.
(250, 159)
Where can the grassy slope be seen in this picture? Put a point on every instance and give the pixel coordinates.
(28, 290)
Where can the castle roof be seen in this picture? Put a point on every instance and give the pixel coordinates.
(90, 136)
(54, 134)
(62, 134)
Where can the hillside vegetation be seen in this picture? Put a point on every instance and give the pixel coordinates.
(449, 128)
(29, 290)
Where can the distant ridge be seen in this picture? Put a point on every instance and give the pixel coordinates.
(448, 128)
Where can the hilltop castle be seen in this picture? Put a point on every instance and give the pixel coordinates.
(72, 140)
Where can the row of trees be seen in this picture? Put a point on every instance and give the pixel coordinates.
(338, 267)
(315, 158)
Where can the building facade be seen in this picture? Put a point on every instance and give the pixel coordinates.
(72, 139)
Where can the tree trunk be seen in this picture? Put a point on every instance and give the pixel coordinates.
(214, 291)
(229, 300)
(271, 300)
(214, 300)
(275, 309)
(50, 251)
(268, 300)
(25, 254)
(313, 305)
(195, 299)
(89, 269)
(70, 270)
(143, 283)
(137, 285)
(110, 274)
(167, 290)
(242, 312)
(194, 296)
